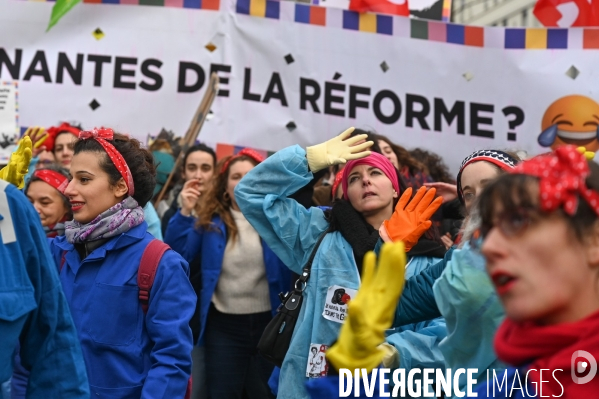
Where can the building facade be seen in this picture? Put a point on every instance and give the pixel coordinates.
(494, 13)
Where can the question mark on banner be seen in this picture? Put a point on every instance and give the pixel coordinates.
(515, 122)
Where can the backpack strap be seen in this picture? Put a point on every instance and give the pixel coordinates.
(63, 259)
(147, 270)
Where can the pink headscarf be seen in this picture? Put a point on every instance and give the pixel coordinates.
(374, 159)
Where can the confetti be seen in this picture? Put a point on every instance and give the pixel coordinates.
(291, 126)
(384, 66)
(572, 72)
(94, 105)
(210, 47)
(98, 34)
(289, 59)
(468, 76)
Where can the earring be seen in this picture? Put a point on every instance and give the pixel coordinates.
(226, 196)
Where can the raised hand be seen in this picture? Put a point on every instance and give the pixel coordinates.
(411, 217)
(371, 312)
(18, 164)
(447, 191)
(338, 150)
(190, 194)
(38, 136)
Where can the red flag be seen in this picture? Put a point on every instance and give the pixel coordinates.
(396, 7)
(566, 13)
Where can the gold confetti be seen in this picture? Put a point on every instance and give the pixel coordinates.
(210, 47)
(98, 34)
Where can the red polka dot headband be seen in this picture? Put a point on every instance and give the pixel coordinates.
(248, 153)
(53, 178)
(562, 174)
(101, 135)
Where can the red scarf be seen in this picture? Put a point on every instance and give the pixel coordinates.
(551, 347)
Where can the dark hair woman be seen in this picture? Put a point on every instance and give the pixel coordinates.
(241, 280)
(199, 163)
(45, 190)
(61, 141)
(540, 229)
(129, 352)
(411, 170)
(370, 192)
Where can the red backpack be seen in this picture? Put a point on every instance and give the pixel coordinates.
(146, 273)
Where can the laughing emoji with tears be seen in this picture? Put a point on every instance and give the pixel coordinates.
(571, 120)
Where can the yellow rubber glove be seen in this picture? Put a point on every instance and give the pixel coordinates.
(18, 164)
(38, 136)
(371, 312)
(338, 150)
(411, 217)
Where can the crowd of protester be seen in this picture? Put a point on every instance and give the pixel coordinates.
(106, 292)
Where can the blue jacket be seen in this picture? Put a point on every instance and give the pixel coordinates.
(33, 307)
(418, 344)
(417, 302)
(129, 354)
(469, 303)
(292, 231)
(188, 241)
(462, 292)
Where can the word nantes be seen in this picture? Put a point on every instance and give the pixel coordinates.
(330, 98)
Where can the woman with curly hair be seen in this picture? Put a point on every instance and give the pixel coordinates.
(435, 167)
(132, 348)
(412, 171)
(241, 280)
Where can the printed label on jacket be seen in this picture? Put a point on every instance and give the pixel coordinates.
(335, 306)
(317, 363)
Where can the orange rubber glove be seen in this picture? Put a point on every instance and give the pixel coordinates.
(411, 217)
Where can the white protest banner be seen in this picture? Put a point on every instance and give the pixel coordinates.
(8, 120)
(299, 74)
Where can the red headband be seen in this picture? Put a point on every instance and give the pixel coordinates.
(101, 135)
(374, 159)
(247, 152)
(53, 178)
(562, 175)
(55, 130)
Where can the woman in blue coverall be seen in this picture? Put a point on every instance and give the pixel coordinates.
(241, 280)
(129, 353)
(33, 308)
(458, 287)
(292, 232)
